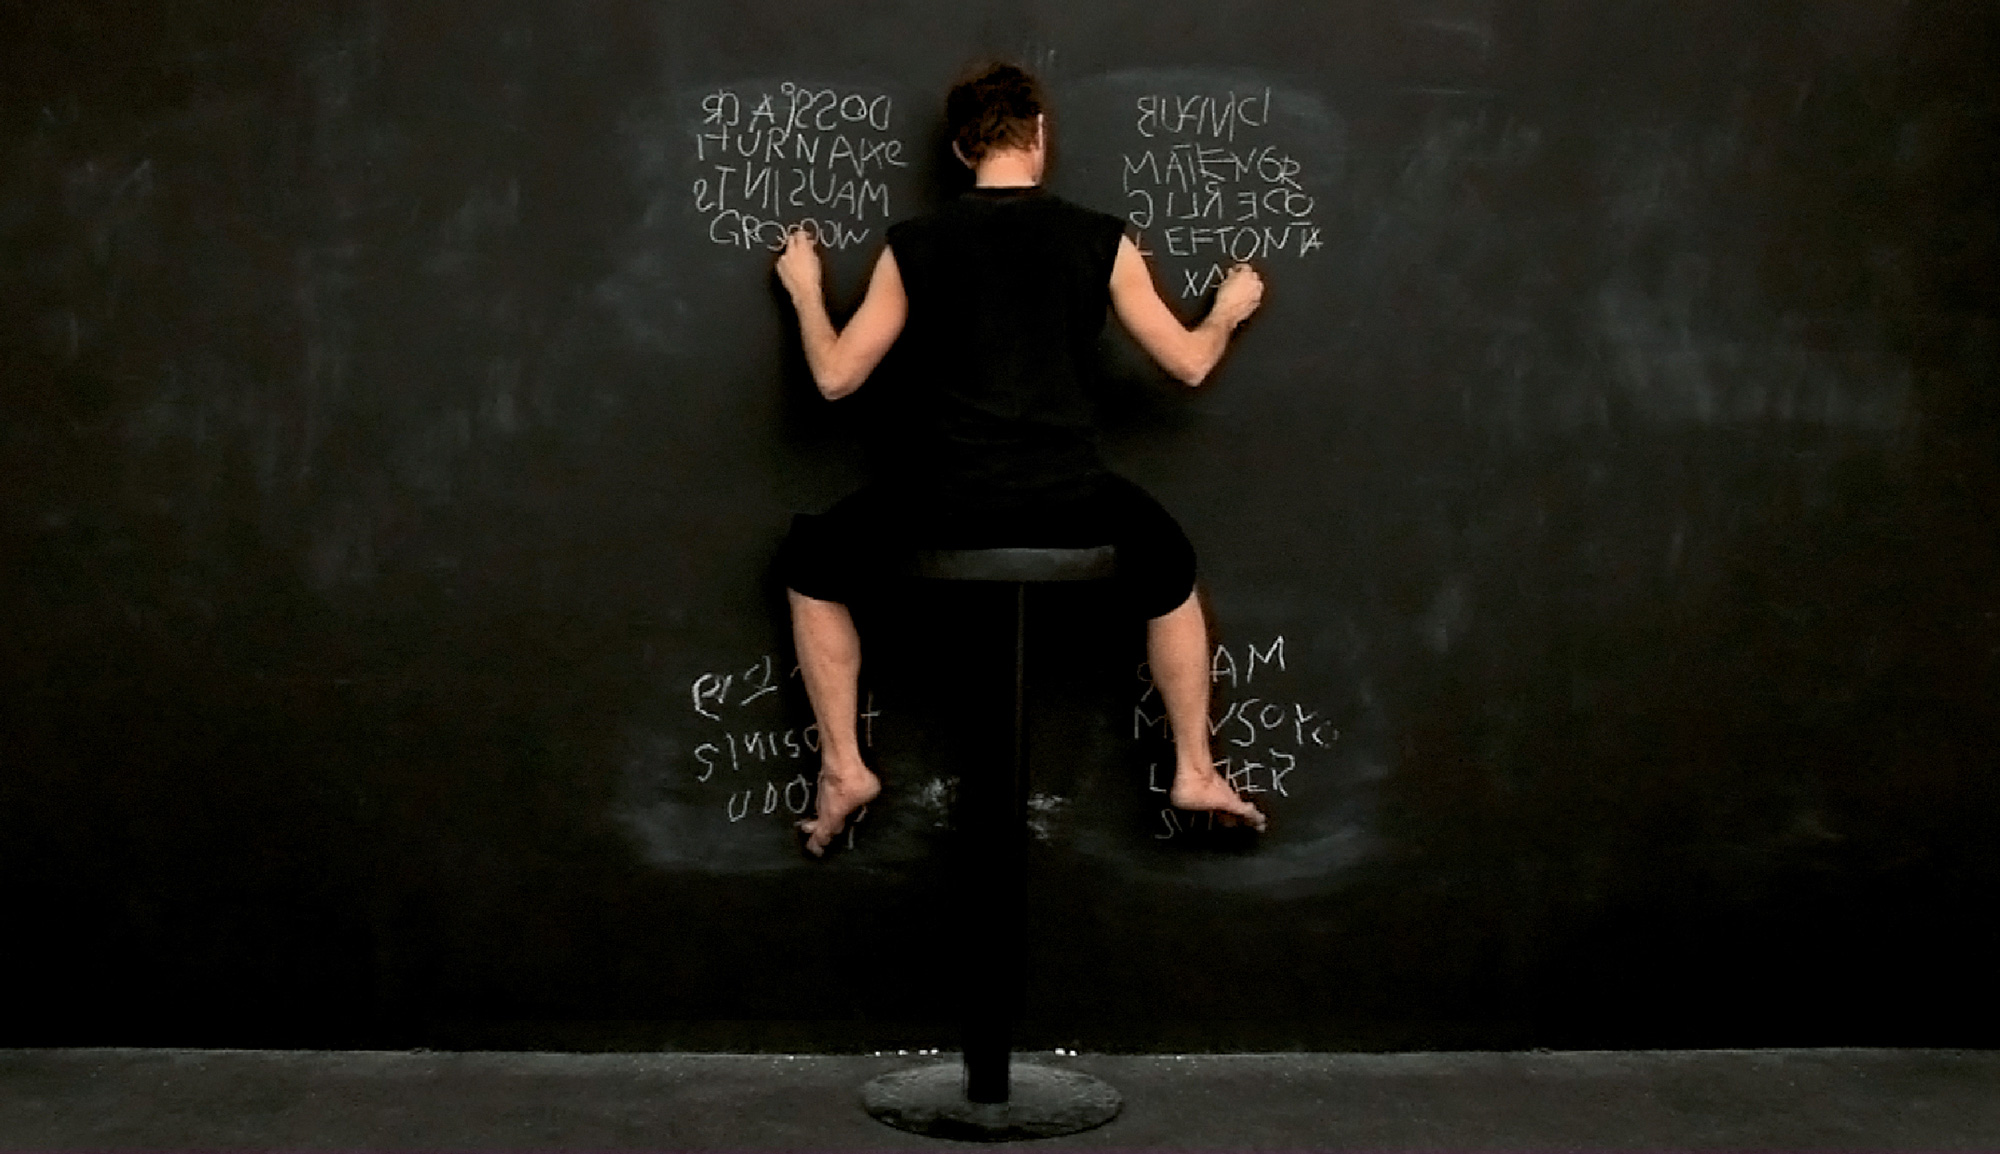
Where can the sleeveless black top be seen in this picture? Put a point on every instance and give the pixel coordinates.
(1008, 290)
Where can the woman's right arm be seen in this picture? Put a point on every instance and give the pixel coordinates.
(1188, 354)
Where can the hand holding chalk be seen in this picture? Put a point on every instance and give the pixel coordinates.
(1239, 295)
(799, 265)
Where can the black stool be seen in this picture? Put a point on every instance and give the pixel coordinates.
(993, 1102)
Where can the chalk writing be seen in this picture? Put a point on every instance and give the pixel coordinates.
(1045, 811)
(767, 770)
(1206, 188)
(712, 691)
(1257, 740)
(757, 760)
(796, 156)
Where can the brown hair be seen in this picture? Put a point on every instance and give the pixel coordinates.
(993, 108)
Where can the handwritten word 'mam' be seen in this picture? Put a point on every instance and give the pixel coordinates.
(801, 158)
(1223, 665)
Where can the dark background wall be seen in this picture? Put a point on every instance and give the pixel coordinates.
(1599, 523)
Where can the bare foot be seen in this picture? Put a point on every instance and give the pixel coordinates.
(840, 794)
(1204, 790)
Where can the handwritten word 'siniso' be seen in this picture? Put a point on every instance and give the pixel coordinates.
(1207, 188)
(793, 157)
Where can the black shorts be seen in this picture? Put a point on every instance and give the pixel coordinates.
(865, 541)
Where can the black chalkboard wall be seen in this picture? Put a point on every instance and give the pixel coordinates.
(400, 419)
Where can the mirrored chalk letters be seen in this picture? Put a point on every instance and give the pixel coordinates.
(768, 160)
(1207, 187)
(1258, 738)
(751, 764)
(760, 770)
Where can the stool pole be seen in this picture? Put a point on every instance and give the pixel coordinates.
(989, 1020)
(987, 1099)
(1019, 831)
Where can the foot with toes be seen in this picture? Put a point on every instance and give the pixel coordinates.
(841, 793)
(1200, 789)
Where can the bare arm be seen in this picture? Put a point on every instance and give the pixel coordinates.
(841, 359)
(1188, 354)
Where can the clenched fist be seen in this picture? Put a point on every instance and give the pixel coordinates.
(799, 266)
(1241, 291)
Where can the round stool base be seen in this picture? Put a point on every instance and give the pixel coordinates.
(1042, 1103)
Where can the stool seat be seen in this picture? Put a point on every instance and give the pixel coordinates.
(1019, 565)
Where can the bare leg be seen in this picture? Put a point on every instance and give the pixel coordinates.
(830, 661)
(1177, 650)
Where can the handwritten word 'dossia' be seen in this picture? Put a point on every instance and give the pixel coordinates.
(794, 157)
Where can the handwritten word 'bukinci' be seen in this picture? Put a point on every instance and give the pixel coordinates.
(1201, 115)
(799, 157)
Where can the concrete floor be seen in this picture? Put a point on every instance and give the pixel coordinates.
(1738, 1100)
